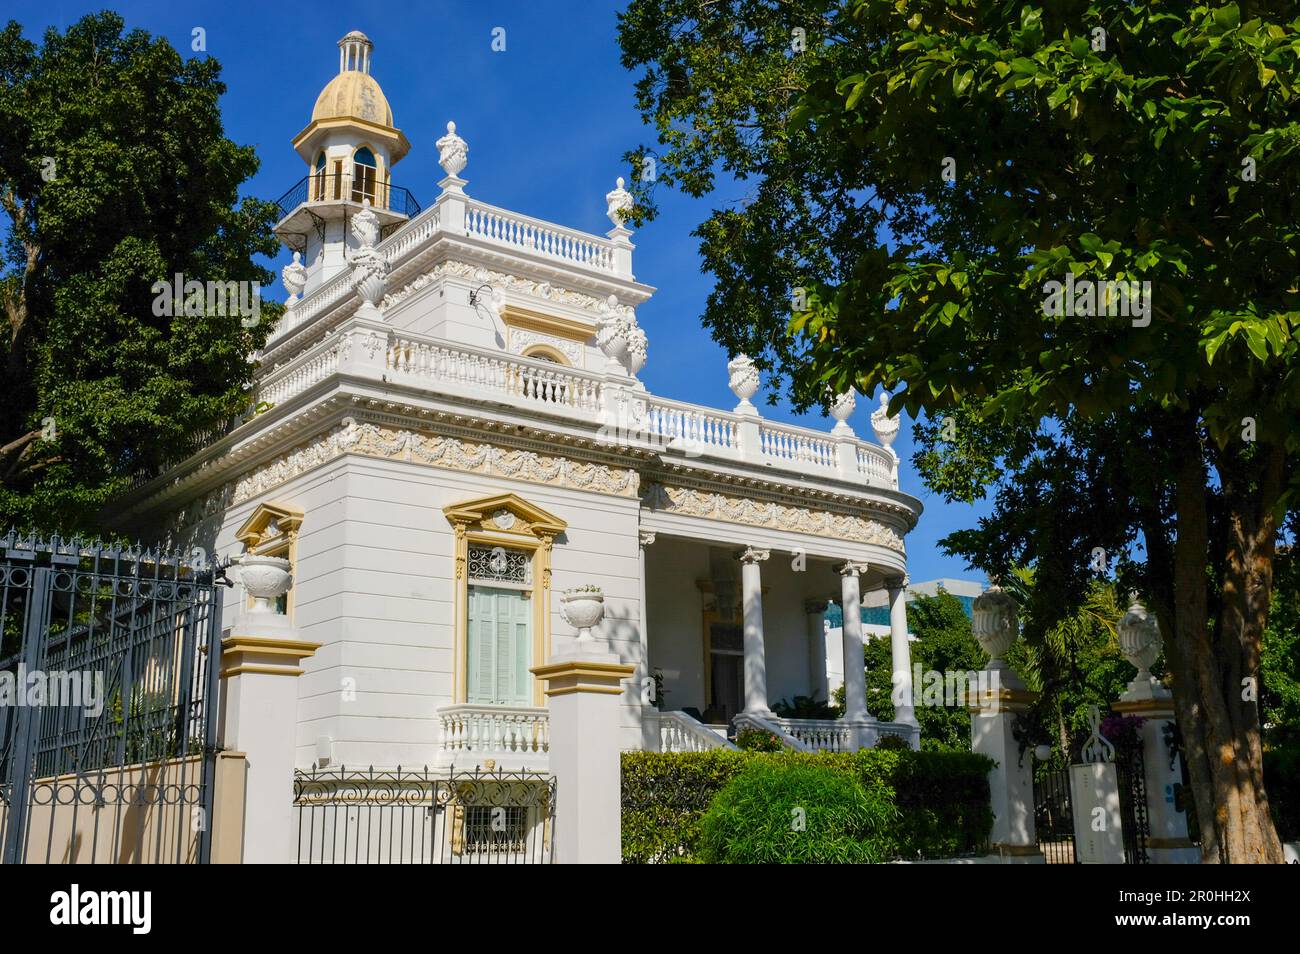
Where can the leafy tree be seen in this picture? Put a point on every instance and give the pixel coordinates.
(918, 173)
(115, 174)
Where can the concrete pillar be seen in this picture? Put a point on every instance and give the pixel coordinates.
(855, 678)
(259, 670)
(818, 684)
(901, 653)
(751, 583)
(583, 694)
(1168, 843)
(1011, 780)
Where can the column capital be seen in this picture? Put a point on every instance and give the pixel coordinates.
(815, 607)
(852, 568)
(895, 583)
(752, 555)
(646, 537)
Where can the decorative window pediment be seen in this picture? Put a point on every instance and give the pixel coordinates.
(271, 527)
(504, 513)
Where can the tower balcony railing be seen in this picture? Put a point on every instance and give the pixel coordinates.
(340, 187)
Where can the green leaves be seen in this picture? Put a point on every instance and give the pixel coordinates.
(144, 185)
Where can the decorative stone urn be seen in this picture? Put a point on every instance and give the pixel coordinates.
(886, 427)
(613, 334)
(1139, 639)
(369, 269)
(618, 202)
(266, 578)
(743, 381)
(994, 612)
(583, 608)
(843, 406)
(294, 276)
(638, 349)
(453, 152)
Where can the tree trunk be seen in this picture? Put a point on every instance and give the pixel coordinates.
(1220, 722)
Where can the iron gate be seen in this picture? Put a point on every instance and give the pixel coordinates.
(108, 727)
(1054, 808)
(1054, 813)
(405, 817)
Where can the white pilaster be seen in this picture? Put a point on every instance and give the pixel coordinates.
(818, 684)
(649, 727)
(751, 581)
(901, 653)
(855, 677)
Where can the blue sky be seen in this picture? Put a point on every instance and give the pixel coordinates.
(547, 122)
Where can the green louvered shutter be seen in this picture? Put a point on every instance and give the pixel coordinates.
(499, 646)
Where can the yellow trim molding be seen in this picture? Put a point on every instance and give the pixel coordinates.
(570, 329)
(569, 676)
(263, 654)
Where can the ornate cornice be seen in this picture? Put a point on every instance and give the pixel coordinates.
(370, 440)
(539, 291)
(690, 502)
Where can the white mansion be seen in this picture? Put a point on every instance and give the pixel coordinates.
(448, 433)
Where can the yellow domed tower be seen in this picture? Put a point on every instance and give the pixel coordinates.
(350, 147)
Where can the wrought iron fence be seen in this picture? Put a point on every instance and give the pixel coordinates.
(1054, 813)
(326, 187)
(107, 753)
(1130, 768)
(421, 817)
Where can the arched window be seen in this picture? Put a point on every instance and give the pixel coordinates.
(318, 180)
(364, 169)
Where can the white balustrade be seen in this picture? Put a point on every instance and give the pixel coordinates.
(481, 731)
(678, 732)
(695, 427)
(521, 380)
(534, 235)
(877, 465)
(822, 735)
(297, 376)
(791, 444)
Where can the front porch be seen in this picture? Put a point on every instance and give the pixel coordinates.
(729, 633)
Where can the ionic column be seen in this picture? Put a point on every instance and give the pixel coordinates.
(818, 684)
(751, 583)
(855, 677)
(904, 709)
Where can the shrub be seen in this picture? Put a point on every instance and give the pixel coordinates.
(891, 742)
(758, 740)
(800, 813)
(942, 798)
(1282, 783)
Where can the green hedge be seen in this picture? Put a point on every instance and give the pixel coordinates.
(941, 798)
(801, 813)
(1282, 783)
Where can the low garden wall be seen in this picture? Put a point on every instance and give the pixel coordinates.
(872, 805)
